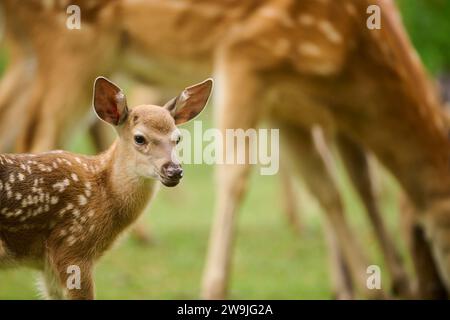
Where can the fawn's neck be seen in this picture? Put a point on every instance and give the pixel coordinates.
(129, 191)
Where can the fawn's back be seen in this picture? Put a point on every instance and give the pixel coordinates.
(50, 197)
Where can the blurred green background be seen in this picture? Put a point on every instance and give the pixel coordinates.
(271, 261)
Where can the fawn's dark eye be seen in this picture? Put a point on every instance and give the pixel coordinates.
(178, 140)
(139, 139)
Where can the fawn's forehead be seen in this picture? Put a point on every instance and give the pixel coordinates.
(153, 118)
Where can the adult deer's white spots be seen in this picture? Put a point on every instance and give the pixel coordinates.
(309, 49)
(330, 31)
(278, 15)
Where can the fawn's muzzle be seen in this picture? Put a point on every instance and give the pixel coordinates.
(171, 174)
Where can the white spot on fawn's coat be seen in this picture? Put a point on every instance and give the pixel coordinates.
(82, 200)
(62, 185)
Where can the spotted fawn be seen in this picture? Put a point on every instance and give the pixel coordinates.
(59, 209)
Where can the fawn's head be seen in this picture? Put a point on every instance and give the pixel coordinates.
(148, 132)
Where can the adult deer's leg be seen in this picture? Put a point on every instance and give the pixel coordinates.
(101, 135)
(340, 273)
(50, 110)
(57, 106)
(358, 167)
(289, 199)
(318, 176)
(429, 284)
(12, 109)
(436, 230)
(19, 74)
(238, 90)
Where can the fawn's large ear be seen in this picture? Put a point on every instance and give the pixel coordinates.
(190, 102)
(109, 101)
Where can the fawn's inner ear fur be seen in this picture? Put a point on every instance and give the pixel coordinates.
(190, 102)
(110, 102)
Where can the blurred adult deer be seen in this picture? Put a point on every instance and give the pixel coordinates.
(269, 48)
(59, 209)
(304, 63)
(38, 64)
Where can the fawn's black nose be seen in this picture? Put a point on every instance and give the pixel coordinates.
(172, 171)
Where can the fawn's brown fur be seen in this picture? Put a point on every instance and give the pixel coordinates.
(58, 209)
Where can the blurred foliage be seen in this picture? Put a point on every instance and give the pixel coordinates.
(428, 23)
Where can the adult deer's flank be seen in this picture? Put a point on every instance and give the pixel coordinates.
(58, 209)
